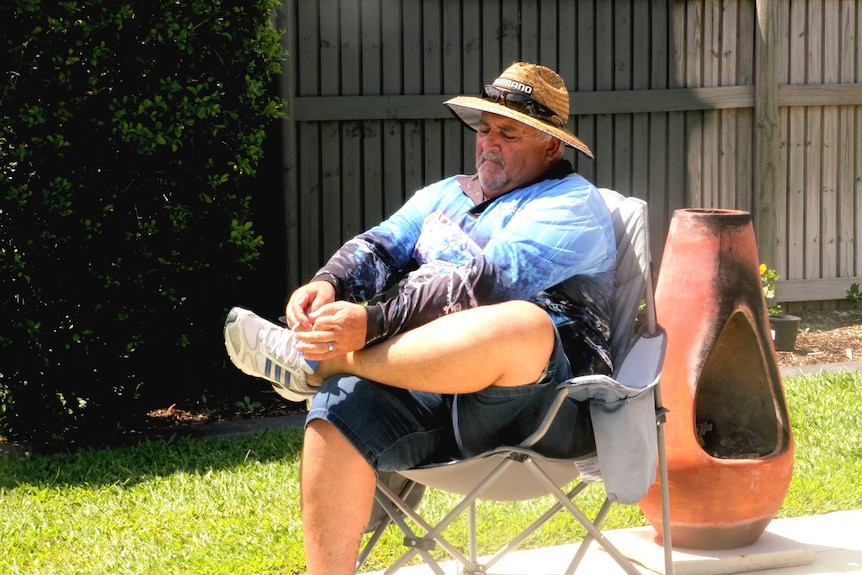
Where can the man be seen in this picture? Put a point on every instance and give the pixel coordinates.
(482, 293)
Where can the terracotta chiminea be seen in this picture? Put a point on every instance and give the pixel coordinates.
(729, 443)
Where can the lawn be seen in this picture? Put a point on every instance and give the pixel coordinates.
(230, 506)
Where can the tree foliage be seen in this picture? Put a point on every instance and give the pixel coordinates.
(129, 132)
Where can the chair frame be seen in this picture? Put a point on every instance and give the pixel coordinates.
(502, 460)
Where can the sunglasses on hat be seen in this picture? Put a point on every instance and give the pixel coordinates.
(522, 103)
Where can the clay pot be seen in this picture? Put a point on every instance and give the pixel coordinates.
(729, 442)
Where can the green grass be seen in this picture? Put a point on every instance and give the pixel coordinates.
(826, 416)
(230, 506)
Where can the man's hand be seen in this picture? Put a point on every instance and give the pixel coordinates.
(305, 301)
(337, 328)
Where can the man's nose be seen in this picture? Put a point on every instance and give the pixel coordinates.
(491, 141)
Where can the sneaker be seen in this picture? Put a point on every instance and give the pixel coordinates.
(263, 349)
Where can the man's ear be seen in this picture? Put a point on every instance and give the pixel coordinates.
(552, 151)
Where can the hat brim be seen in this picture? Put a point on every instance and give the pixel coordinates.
(469, 110)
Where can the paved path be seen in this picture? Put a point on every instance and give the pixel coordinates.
(818, 545)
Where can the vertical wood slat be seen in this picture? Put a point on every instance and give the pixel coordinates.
(585, 64)
(782, 181)
(831, 73)
(528, 32)
(641, 76)
(566, 46)
(654, 146)
(432, 72)
(677, 139)
(745, 147)
(510, 37)
(622, 80)
(710, 62)
(310, 205)
(491, 43)
(796, 151)
(288, 87)
(694, 120)
(814, 134)
(847, 148)
(603, 42)
(351, 138)
(369, 157)
(728, 191)
(453, 83)
(394, 51)
(548, 50)
(857, 164)
(349, 48)
(328, 230)
(411, 149)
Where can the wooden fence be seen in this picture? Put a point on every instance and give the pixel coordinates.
(743, 104)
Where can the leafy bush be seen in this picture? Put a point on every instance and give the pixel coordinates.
(127, 133)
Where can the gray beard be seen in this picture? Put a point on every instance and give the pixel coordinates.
(494, 178)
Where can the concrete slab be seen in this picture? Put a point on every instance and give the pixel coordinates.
(771, 551)
(820, 544)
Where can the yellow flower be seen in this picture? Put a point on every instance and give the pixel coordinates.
(762, 270)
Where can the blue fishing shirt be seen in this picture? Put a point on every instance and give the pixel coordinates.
(550, 242)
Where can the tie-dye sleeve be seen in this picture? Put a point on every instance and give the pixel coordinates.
(529, 243)
(541, 244)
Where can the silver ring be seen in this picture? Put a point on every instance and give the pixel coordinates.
(330, 346)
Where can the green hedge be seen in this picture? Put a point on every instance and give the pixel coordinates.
(130, 133)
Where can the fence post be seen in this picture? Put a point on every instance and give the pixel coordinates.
(766, 131)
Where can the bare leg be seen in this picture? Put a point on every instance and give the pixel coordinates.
(505, 344)
(337, 494)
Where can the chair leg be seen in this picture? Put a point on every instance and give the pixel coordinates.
(667, 541)
(404, 494)
(422, 545)
(611, 549)
(371, 543)
(415, 543)
(533, 527)
(588, 538)
(471, 535)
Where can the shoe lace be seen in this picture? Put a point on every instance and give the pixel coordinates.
(278, 342)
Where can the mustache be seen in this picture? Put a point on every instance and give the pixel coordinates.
(492, 156)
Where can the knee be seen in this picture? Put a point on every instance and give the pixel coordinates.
(526, 316)
(326, 443)
(327, 455)
(321, 436)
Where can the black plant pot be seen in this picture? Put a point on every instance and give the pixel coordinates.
(784, 329)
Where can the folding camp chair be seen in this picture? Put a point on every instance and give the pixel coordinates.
(627, 419)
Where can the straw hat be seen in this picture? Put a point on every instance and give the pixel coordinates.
(531, 94)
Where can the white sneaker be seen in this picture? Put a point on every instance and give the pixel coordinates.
(263, 349)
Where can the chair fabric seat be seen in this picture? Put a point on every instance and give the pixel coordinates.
(463, 476)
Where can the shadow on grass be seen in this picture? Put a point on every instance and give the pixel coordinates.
(131, 464)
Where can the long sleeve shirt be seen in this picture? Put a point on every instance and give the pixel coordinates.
(550, 242)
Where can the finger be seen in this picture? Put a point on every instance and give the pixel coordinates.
(321, 300)
(318, 350)
(313, 340)
(295, 313)
(327, 310)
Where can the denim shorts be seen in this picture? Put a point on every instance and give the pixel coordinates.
(397, 429)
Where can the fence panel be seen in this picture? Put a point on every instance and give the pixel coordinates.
(663, 91)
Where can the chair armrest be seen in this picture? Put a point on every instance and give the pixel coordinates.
(564, 392)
